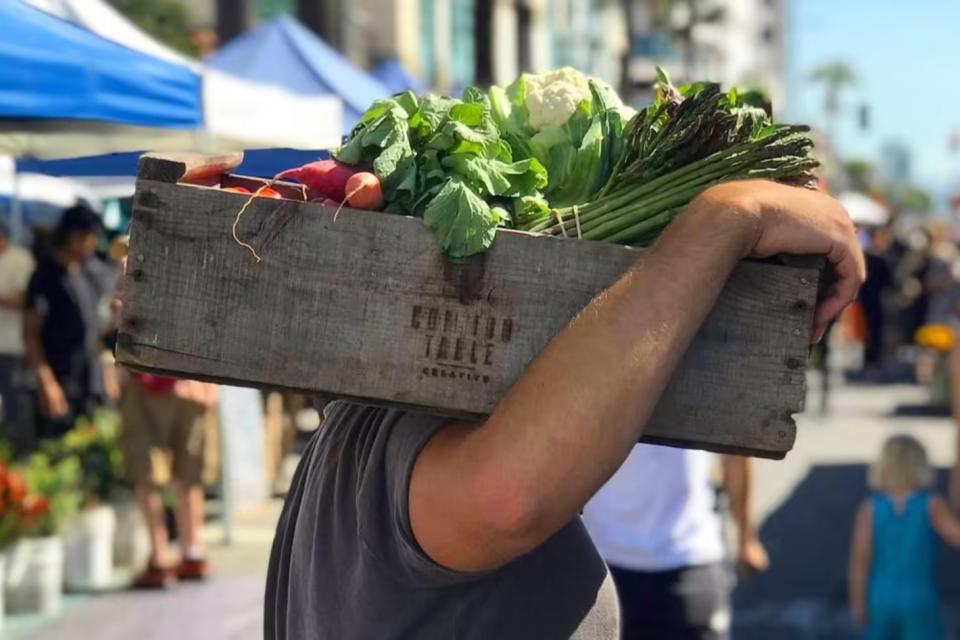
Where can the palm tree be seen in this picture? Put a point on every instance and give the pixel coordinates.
(835, 76)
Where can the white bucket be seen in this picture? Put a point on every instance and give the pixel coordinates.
(34, 576)
(88, 549)
(3, 565)
(131, 542)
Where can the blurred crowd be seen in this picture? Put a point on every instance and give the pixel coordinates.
(59, 314)
(913, 282)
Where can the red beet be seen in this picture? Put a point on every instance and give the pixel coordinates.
(326, 177)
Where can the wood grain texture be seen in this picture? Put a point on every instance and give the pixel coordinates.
(366, 307)
(193, 167)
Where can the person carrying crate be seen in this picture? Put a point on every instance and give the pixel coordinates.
(408, 525)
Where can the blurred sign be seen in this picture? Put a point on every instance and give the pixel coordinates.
(242, 444)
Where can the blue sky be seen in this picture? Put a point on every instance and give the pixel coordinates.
(907, 56)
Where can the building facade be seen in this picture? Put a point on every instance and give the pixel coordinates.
(452, 44)
(734, 42)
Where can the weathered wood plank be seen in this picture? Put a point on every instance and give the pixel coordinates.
(187, 166)
(366, 307)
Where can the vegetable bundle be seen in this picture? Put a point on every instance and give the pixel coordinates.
(559, 154)
(686, 141)
(444, 160)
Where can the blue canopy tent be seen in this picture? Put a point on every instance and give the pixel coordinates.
(53, 70)
(395, 77)
(116, 59)
(258, 162)
(64, 90)
(285, 53)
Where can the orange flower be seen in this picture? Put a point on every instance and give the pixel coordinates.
(16, 486)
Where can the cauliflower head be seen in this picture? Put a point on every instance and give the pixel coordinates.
(554, 96)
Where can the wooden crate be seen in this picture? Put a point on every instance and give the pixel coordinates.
(364, 306)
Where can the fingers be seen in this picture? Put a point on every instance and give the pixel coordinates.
(848, 264)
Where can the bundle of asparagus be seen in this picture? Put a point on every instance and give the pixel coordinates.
(687, 140)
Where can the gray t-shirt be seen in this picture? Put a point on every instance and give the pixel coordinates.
(345, 564)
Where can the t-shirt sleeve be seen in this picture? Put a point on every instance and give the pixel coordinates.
(383, 503)
(24, 273)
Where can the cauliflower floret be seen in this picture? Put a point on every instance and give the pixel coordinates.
(554, 96)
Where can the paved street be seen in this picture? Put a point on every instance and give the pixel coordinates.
(806, 503)
(228, 607)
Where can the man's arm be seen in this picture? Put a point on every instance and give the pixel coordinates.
(53, 402)
(738, 481)
(480, 497)
(12, 301)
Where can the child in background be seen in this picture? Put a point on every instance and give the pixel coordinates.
(893, 558)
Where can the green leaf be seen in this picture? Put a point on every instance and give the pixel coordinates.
(495, 178)
(401, 184)
(469, 113)
(473, 94)
(530, 209)
(382, 126)
(461, 221)
(408, 102)
(430, 116)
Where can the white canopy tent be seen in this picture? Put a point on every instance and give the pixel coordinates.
(864, 210)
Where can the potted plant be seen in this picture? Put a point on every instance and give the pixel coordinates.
(34, 575)
(89, 534)
(17, 508)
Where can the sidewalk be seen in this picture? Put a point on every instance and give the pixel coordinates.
(805, 507)
(228, 606)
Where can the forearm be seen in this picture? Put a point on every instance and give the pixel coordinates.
(738, 478)
(572, 418)
(34, 353)
(12, 301)
(857, 587)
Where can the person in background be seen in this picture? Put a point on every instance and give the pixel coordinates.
(875, 295)
(166, 424)
(893, 556)
(62, 327)
(16, 267)
(445, 529)
(169, 427)
(656, 524)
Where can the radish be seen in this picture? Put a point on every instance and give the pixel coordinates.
(267, 192)
(242, 190)
(325, 201)
(328, 177)
(364, 192)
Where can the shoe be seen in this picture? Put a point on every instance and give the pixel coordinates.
(193, 569)
(155, 577)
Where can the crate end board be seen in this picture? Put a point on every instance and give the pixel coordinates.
(365, 307)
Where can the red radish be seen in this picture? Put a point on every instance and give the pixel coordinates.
(328, 177)
(242, 190)
(364, 192)
(267, 192)
(325, 201)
